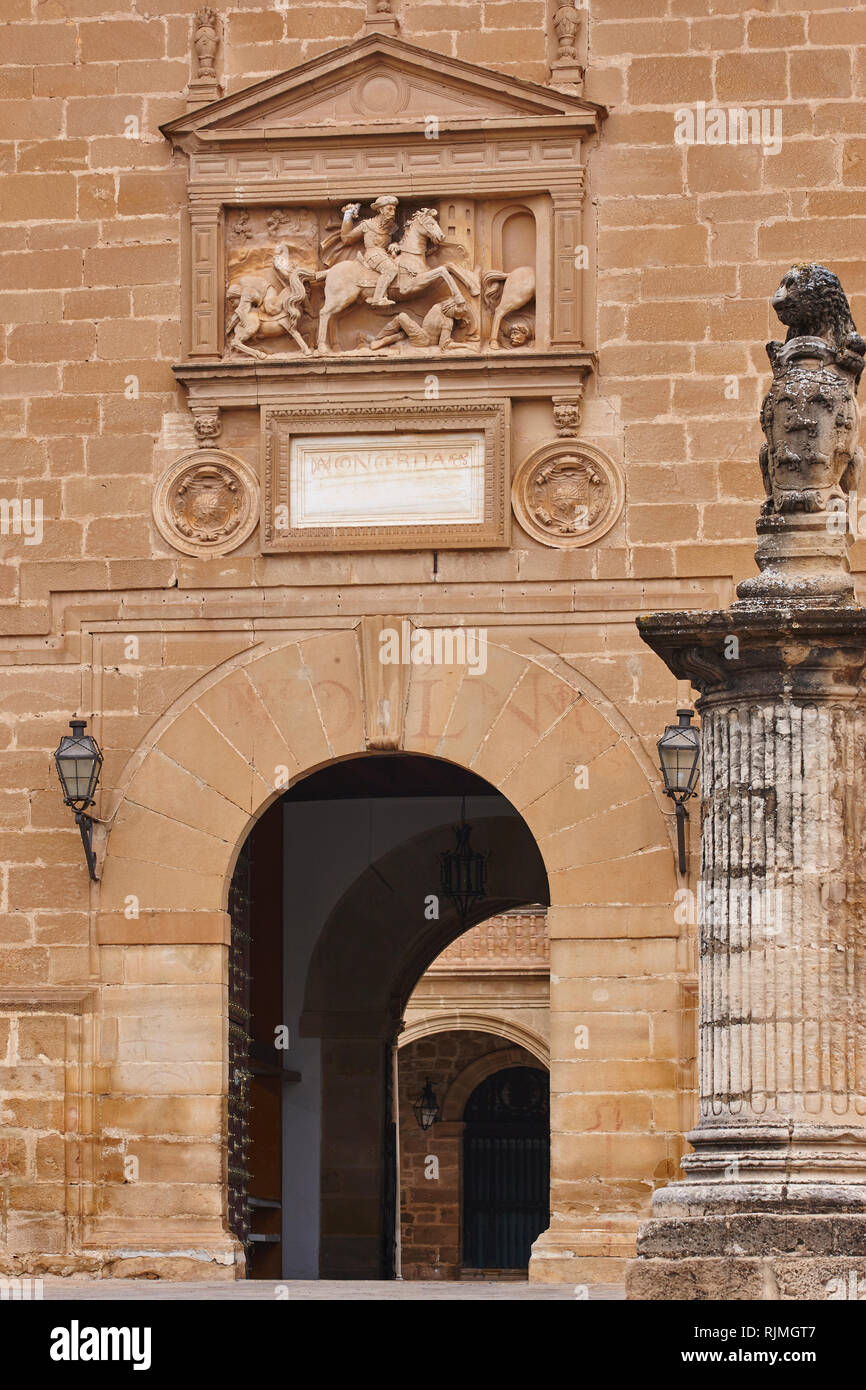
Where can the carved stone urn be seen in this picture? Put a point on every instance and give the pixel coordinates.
(773, 1205)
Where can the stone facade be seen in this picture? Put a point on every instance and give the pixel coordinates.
(138, 591)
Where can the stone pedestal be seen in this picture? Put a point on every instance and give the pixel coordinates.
(774, 1205)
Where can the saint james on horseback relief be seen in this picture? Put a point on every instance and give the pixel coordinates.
(298, 290)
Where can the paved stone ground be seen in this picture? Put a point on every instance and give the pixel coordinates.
(59, 1290)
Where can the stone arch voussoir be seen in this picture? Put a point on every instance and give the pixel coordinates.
(230, 746)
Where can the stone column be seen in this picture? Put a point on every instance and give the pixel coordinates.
(774, 1202)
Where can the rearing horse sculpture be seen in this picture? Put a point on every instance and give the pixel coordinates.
(348, 280)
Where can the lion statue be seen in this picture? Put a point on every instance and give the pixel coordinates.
(811, 459)
(811, 302)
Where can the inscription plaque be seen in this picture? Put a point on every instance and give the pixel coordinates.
(377, 480)
(391, 477)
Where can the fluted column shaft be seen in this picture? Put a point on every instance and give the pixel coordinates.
(781, 910)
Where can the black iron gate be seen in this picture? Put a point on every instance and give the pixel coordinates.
(506, 1168)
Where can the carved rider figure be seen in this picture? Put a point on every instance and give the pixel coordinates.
(375, 232)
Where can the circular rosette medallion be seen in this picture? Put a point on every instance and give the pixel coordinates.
(567, 494)
(207, 503)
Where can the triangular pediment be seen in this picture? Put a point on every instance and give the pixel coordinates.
(379, 82)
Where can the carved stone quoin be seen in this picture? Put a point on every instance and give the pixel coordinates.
(567, 496)
(207, 503)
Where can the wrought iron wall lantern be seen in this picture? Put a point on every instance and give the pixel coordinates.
(79, 762)
(463, 870)
(679, 758)
(426, 1107)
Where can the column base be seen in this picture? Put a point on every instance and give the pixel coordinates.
(590, 1254)
(757, 1245)
(741, 1278)
(191, 1261)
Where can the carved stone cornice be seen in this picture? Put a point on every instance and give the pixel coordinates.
(534, 375)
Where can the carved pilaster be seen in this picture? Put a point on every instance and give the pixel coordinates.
(569, 269)
(206, 276)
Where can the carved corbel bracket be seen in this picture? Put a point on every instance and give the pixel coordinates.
(567, 413)
(207, 423)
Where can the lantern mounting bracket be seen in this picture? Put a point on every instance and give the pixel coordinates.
(85, 825)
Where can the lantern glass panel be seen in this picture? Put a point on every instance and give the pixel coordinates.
(679, 757)
(78, 762)
(426, 1107)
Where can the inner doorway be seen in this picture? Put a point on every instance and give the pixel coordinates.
(338, 907)
(506, 1170)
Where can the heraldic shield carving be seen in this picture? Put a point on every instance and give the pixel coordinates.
(207, 503)
(567, 494)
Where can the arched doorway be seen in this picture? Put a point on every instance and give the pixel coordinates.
(212, 768)
(455, 1060)
(337, 907)
(506, 1169)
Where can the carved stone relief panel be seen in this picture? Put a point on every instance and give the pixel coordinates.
(207, 503)
(459, 276)
(382, 225)
(567, 494)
